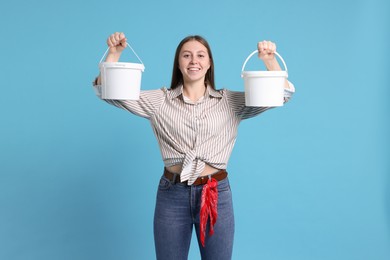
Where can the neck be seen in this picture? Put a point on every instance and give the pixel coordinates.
(194, 90)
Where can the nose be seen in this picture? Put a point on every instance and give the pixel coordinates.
(194, 60)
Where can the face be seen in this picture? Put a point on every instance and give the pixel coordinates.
(194, 61)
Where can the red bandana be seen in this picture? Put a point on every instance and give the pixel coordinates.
(208, 208)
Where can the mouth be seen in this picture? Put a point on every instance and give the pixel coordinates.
(193, 69)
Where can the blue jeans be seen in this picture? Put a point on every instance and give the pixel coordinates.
(177, 212)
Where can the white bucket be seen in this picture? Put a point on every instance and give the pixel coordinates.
(121, 80)
(264, 88)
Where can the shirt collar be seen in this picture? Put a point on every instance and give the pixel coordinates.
(210, 91)
(214, 93)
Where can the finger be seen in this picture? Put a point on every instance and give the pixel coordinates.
(122, 36)
(260, 46)
(269, 47)
(123, 43)
(123, 40)
(266, 46)
(110, 41)
(119, 36)
(115, 37)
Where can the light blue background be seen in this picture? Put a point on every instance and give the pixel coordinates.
(310, 180)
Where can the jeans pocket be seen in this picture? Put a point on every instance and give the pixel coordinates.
(164, 184)
(224, 185)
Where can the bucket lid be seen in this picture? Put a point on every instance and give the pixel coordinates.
(122, 65)
(257, 74)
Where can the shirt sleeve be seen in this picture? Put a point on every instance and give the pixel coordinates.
(236, 100)
(148, 102)
(289, 92)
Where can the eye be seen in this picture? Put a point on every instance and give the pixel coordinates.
(186, 55)
(201, 55)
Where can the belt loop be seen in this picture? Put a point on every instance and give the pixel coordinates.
(174, 178)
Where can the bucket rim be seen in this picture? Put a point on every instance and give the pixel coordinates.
(127, 65)
(273, 73)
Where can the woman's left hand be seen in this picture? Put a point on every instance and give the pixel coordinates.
(266, 50)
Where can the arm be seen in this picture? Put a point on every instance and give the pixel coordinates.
(149, 100)
(117, 43)
(266, 53)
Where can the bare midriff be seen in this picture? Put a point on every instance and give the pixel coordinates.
(207, 169)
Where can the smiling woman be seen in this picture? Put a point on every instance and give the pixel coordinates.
(204, 47)
(194, 62)
(196, 127)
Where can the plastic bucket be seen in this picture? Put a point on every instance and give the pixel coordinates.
(264, 88)
(121, 80)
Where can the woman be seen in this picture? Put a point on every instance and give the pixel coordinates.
(196, 128)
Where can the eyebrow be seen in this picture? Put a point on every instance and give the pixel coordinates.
(196, 52)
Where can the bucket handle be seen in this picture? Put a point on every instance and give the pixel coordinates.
(129, 47)
(256, 51)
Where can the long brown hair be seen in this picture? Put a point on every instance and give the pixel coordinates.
(177, 76)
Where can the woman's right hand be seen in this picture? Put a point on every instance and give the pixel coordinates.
(117, 43)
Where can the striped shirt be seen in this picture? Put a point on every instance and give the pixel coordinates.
(193, 133)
